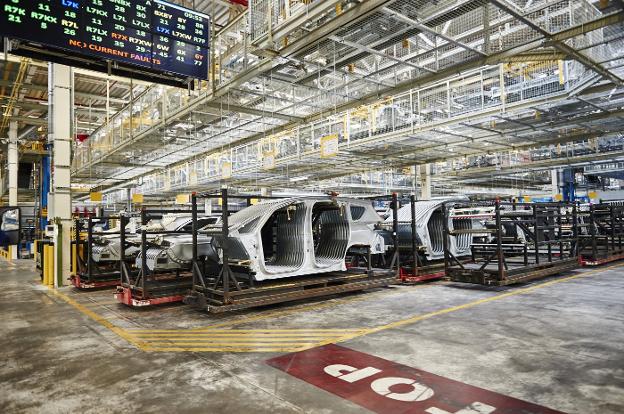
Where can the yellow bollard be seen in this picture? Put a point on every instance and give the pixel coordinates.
(51, 277)
(48, 258)
(73, 263)
(44, 264)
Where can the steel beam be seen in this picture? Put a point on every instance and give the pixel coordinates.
(29, 121)
(256, 112)
(558, 43)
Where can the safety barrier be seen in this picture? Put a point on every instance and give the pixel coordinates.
(9, 254)
(48, 265)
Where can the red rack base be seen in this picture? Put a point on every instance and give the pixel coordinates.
(125, 296)
(408, 277)
(80, 284)
(587, 261)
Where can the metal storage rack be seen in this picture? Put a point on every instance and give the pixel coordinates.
(88, 273)
(415, 269)
(524, 241)
(223, 290)
(601, 238)
(141, 287)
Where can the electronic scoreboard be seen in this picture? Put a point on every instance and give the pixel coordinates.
(153, 35)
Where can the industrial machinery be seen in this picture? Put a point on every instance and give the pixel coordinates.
(10, 232)
(525, 241)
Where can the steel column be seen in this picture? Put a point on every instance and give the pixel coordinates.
(13, 163)
(60, 132)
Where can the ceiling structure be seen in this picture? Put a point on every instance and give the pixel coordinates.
(97, 96)
(397, 83)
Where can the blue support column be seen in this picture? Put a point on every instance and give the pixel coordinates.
(568, 189)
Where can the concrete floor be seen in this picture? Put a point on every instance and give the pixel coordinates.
(557, 342)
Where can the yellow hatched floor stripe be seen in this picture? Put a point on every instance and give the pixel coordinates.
(235, 335)
(229, 344)
(141, 338)
(238, 331)
(255, 338)
(221, 349)
(99, 319)
(417, 318)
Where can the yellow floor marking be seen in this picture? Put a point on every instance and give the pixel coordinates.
(234, 344)
(212, 331)
(221, 349)
(236, 335)
(99, 319)
(137, 339)
(94, 304)
(300, 309)
(239, 338)
(417, 318)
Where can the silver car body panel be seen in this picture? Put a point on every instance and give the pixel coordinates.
(430, 228)
(339, 224)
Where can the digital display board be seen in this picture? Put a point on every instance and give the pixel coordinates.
(151, 34)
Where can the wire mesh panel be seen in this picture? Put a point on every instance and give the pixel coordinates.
(433, 103)
(233, 51)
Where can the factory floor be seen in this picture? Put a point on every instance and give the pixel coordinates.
(555, 343)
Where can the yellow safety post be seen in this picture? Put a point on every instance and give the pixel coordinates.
(49, 266)
(51, 280)
(44, 264)
(74, 258)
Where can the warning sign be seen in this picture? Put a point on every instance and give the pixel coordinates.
(268, 160)
(329, 145)
(386, 387)
(226, 170)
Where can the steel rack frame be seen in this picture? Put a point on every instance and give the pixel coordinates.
(415, 270)
(140, 288)
(601, 239)
(90, 274)
(223, 291)
(550, 245)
